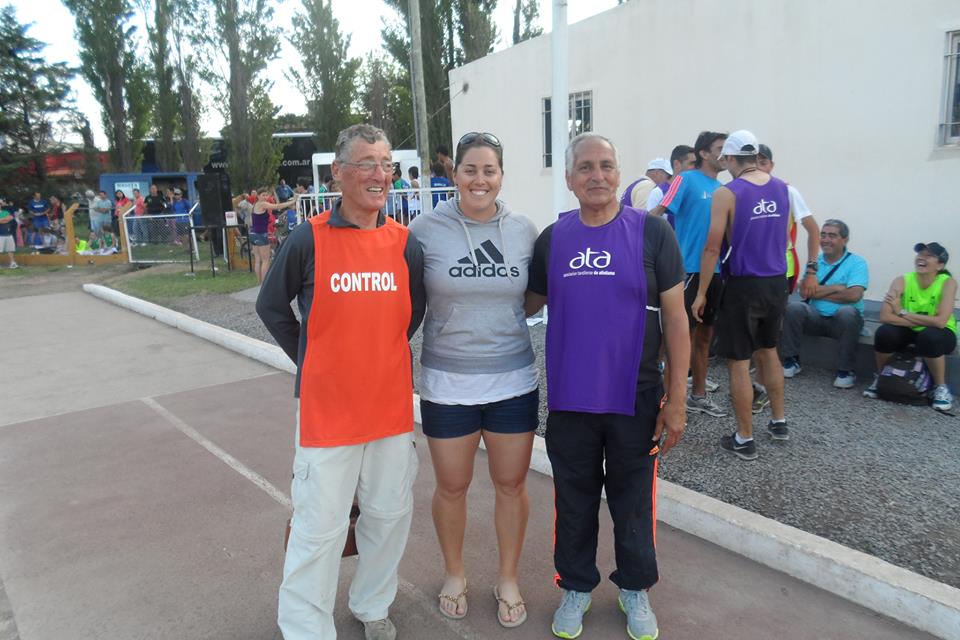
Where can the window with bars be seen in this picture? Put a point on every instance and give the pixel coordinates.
(579, 120)
(950, 126)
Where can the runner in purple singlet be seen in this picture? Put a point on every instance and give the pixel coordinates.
(613, 276)
(749, 216)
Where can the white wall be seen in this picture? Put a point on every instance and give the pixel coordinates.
(847, 93)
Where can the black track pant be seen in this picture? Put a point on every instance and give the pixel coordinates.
(577, 444)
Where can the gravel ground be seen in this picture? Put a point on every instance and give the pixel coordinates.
(877, 477)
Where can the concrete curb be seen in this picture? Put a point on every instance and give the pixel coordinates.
(258, 350)
(889, 590)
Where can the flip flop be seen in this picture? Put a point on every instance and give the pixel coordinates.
(510, 607)
(456, 601)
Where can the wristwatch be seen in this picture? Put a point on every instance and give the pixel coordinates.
(903, 312)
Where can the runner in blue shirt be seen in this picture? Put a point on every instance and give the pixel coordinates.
(39, 208)
(181, 206)
(688, 200)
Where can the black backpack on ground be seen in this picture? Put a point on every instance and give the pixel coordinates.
(905, 379)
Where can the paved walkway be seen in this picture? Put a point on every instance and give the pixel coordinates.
(144, 476)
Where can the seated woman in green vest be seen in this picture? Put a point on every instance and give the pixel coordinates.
(918, 310)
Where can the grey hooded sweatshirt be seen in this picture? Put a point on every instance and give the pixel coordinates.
(475, 274)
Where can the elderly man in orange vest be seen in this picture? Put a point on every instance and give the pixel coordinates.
(357, 277)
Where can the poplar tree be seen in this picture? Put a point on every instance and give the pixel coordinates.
(162, 78)
(525, 15)
(240, 33)
(119, 80)
(328, 80)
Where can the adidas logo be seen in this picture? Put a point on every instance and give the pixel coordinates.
(489, 264)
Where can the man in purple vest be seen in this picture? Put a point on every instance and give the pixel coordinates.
(613, 276)
(749, 216)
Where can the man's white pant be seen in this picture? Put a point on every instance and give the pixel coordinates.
(324, 481)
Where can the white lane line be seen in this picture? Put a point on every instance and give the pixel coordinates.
(116, 403)
(224, 457)
(409, 589)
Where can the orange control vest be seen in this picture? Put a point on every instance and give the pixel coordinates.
(355, 380)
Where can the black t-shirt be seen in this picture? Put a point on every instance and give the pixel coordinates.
(663, 264)
(155, 204)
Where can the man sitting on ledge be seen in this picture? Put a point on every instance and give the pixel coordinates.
(835, 309)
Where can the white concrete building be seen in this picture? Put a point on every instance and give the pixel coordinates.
(856, 100)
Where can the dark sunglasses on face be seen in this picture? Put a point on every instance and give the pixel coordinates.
(473, 136)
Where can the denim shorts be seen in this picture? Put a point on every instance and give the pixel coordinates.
(513, 415)
(259, 239)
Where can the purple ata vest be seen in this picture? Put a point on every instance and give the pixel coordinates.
(758, 237)
(597, 292)
(625, 198)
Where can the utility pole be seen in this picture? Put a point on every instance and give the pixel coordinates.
(559, 106)
(419, 100)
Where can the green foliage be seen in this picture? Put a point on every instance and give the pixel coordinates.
(165, 113)
(109, 64)
(475, 28)
(291, 122)
(329, 77)
(194, 150)
(386, 100)
(452, 32)
(245, 39)
(265, 150)
(525, 15)
(35, 103)
(91, 155)
(439, 57)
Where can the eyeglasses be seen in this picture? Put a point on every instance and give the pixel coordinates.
(367, 167)
(473, 136)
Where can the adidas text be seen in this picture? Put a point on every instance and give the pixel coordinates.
(484, 271)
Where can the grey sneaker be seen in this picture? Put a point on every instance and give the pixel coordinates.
(568, 618)
(760, 400)
(704, 405)
(641, 623)
(379, 630)
(942, 400)
(745, 451)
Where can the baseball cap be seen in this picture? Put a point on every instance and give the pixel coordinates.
(935, 249)
(177, 192)
(766, 152)
(740, 143)
(662, 164)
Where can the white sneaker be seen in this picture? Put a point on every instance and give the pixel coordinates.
(14, 265)
(791, 367)
(845, 380)
(942, 399)
(871, 391)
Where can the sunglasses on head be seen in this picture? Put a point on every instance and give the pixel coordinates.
(473, 136)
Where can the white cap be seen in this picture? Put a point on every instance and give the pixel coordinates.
(740, 143)
(660, 163)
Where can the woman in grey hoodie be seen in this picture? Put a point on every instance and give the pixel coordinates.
(478, 377)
